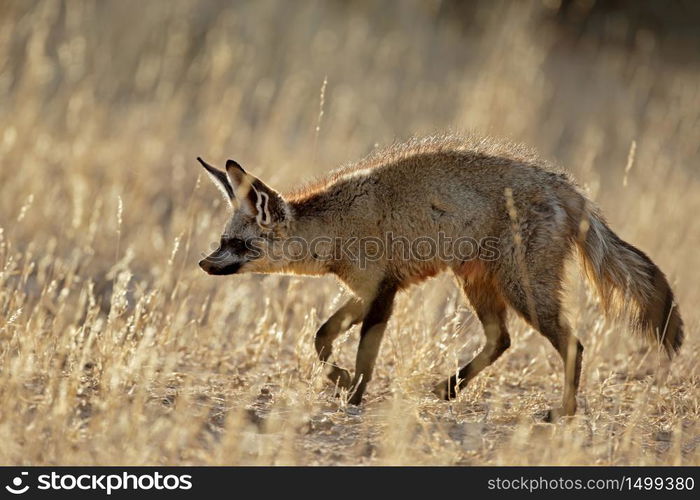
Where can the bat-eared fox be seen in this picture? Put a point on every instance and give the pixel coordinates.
(510, 221)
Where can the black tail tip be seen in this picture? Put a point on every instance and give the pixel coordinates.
(673, 341)
(672, 334)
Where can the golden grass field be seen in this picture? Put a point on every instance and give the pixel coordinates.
(115, 348)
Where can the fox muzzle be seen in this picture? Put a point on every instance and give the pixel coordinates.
(217, 269)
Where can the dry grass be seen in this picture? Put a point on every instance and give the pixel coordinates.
(116, 349)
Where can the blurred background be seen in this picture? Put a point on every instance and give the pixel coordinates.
(103, 211)
(116, 98)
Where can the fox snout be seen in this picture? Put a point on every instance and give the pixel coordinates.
(219, 268)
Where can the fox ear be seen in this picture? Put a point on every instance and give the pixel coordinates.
(219, 179)
(255, 197)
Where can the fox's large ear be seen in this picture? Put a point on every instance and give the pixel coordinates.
(219, 179)
(255, 197)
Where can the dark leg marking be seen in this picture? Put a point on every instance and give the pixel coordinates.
(371, 335)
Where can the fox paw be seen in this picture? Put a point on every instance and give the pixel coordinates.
(356, 398)
(341, 377)
(555, 414)
(446, 390)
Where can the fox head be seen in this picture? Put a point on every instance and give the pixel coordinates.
(253, 234)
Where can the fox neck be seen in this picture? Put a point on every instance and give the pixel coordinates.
(311, 228)
(311, 262)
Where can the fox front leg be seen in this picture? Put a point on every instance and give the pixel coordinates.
(351, 313)
(371, 335)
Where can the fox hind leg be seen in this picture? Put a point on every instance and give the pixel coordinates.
(558, 332)
(490, 308)
(541, 307)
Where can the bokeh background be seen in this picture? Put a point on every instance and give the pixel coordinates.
(115, 348)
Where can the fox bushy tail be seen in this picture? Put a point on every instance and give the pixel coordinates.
(629, 283)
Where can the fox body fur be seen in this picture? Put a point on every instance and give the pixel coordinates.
(535, 216)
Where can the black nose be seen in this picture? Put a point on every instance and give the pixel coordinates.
(212, 268)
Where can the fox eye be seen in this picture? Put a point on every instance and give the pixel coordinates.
(236, 245)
